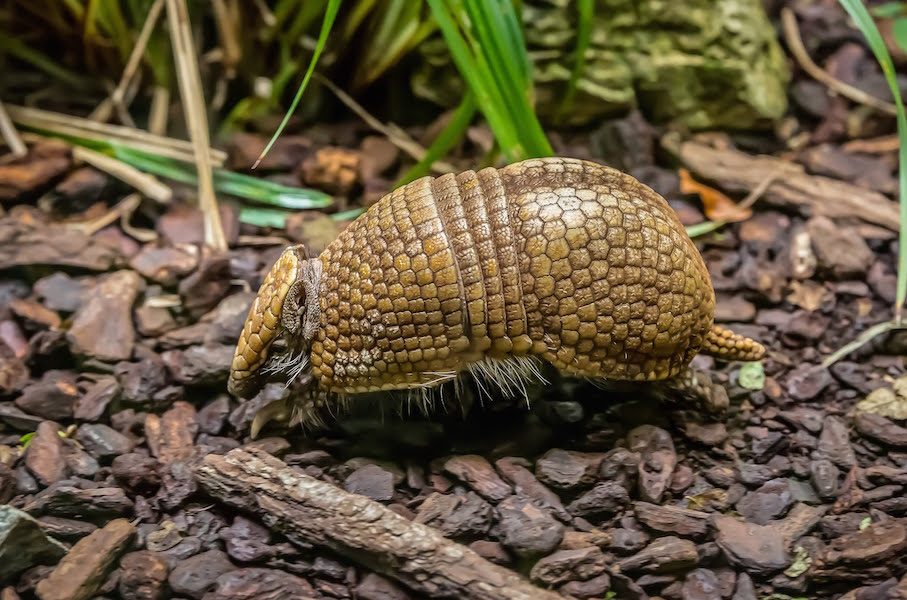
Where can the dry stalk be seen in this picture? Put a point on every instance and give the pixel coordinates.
(193, 102)
(795, 44)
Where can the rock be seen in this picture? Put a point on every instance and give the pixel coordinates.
(525, 529)
(854, 556)
(596, 587)
(567, 565)
(768, 502)
(261, 584)
(166, 264)
(375, 587)
(92, 404)
(58, 291)
(204, 288)
(371, 481)
(23, 543)
(143, 576)
(198, 574)
(208, 364)
(880, 429)
(226, 320)
(30, 175)
(673, 519)
(745, 589)
(824, 476)
(476, 472)
(456, 515)
(491, 551)
(33, 244)
(701, 584)
(602, 501)
(142, 380)
(807, 381)
(627, 541)
(568, 470)
(655, 60)
(247, 541)
(44, 455)
(834, 443)
(841, 251)
(103, 441)
(657, 460)
(136, 472)
(620, 466)
(213, 416)
(525, 484)
(53, 398)
(171, 437)
(64, 500)
(82, 572)
(756, 548)
(663, 555)
(70, 530)
(102, 328)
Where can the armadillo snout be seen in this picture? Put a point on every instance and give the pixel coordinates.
(260, 339)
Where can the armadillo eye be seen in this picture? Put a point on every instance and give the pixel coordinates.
(279, 345)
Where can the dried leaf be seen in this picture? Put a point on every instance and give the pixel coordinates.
(808, 295)
(801, 563)
(715, 205)
(886, 403)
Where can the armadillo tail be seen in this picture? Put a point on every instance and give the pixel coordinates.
(724, 344)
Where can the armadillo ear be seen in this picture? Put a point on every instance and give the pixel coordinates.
(291, 314)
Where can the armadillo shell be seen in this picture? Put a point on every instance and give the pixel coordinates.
(560, 259)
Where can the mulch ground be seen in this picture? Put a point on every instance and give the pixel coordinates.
(114, 354)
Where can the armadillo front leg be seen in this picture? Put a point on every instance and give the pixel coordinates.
(695, 389)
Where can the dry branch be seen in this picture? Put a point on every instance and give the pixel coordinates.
(305, 508)
(190, 85)
(790, 184)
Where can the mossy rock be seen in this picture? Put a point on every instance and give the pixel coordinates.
(700, 63)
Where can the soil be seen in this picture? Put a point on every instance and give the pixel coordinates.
(114, 354)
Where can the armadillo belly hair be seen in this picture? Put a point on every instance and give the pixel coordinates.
(490, 379)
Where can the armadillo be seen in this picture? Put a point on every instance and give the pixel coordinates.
(552, 262)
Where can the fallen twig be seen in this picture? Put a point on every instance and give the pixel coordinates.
(789, 183)
(795, 44)
(305, 508)
(116, 99)
(861, 340)
(196, 120)
(10, 135)
(143, 182)
(397, 136)
(70, 126)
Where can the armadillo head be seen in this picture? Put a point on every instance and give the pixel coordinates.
(282, 321)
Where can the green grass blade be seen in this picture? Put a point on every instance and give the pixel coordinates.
(327, 24)
(867, 26)
(486, 43)
(226, 182)
(446, 140)
(263, 217)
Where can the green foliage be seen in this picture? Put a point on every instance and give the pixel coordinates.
(446, 140)
(485, 40)
(583, 37)
(897, 11)
(327, 23)
(752, 376)
(863, 20)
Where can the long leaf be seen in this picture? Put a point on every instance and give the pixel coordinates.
(867, 26)
(330, 15)
(442, 144)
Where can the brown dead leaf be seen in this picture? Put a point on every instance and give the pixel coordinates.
(715, 205)
(807, 294)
